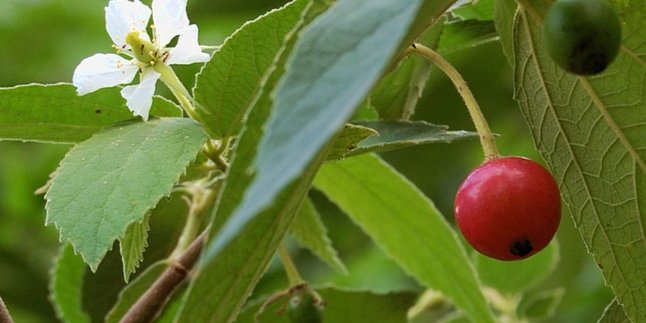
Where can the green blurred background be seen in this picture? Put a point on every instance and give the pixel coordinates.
(44, 40)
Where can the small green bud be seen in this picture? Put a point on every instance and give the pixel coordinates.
(303, 308)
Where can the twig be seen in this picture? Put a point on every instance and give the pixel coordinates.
(5, 317)
(150, 304)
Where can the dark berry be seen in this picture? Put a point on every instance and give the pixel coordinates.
(582, 36)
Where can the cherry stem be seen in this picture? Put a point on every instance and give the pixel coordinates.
(5, 317)
(487, 139)
(290, 268)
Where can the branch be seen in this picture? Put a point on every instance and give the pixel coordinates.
(151, 303)
(5, 317)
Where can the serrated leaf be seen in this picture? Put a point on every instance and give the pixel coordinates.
(362, 137)
(56, 114)
(65, 287)
(403, 222)
(401, 134)
(101, 289)
(111, 180)
(311, 233)
(614, 313)
(223, 283)
(345, 306)
(131, 293)
(132, 245)
(349, 140)
(591, 132)
(517, 276)
(228, 84)
(541, 306)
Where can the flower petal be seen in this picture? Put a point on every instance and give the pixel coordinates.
(123, 16)
(188, 50)
(140, 97)
(170, 19)
(103, 70)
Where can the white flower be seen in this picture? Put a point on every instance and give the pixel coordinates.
(126, 22)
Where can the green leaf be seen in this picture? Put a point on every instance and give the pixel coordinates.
(66, 281)
(591, 132)
(55, 113)
(517, 276)
(466, 34)
(111, 180)
(541, 306)
(131, 293)
(335, 64)
(365, 112)
(101, 290)
(132, 245)
(317, 95)
(346, 306)
(432, 306)
(505, 13)
(225, 281)
(395, 96)
(401, 134)
(403, 222)
(478, 10)
(614, 313)
(310, 231)
(328, 77)
(228, 85)
(349, 140)
(429, 13)
(361, 137)
(165, 108)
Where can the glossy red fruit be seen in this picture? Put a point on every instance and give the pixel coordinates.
(508, 208)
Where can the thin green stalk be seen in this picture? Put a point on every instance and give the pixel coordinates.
(487, 139)
(201, 198)
(184, 98)
(290, 268)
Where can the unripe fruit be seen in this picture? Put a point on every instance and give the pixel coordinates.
(508, 208)
(303, 308)
(582, 36)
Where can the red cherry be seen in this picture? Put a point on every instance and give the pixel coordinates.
(508, 208)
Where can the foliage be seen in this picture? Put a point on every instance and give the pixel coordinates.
(312, 121)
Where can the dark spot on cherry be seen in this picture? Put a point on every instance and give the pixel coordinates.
(521, 248)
